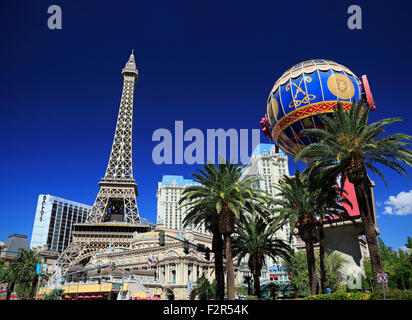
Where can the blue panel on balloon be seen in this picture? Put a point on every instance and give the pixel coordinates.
(304, 91)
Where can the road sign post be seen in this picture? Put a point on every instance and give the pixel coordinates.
(383, 278)
(38, 270)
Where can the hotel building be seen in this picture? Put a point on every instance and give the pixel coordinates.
(269, 167)
(54, 220)
(169, 192)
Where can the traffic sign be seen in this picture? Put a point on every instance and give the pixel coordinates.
(382, 278)
(38, 268)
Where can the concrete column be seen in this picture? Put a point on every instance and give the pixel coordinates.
(178, 272)
(185, 277)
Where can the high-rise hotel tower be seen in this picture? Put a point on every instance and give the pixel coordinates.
(169, 192)
(269, 167)
(54, 220)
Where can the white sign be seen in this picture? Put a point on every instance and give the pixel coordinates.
(382, 277)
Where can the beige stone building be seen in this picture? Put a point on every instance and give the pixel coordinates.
(146, 269)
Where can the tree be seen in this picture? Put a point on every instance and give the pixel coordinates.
(241, 291)
(206, 214)
(295, 203)
(21, 274)
(11, 276)
(297, 268)
(55, 294)
(26, 267)
(328, 204)
(204, 288)
(256, 238)
(408, 244)
(225, 188)
(334, 275)
(403, 270)
(246, 280)
(397, 265)
(347, 147)
(367, 279)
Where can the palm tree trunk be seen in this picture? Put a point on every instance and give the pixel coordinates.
(256, 283)
(295, 291)
(310, 256)
(219, 270)
(322, 259)
(9, 291)
(370, 233)
(33, 286)
(22, 289)
(230, 269)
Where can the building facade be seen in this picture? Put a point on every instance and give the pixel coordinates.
(264, 163)
(269, 167)
(15, 243)
(146, 268)
(54, 220)
(346, 237)
(169, 192)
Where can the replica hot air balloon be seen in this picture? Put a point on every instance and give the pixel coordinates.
(304, 91)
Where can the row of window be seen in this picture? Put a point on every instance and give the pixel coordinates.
(61, 221)
(279, 277)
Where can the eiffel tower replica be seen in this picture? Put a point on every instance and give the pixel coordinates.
(114, 217)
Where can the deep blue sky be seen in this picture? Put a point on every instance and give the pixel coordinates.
(208, 63)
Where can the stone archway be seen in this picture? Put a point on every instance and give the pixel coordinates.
(170, 295)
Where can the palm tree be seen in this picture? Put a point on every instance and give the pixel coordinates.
(256, 238)
(207, 215)
(55, 294)
(204, 288)
(295, 203)
(328, 204)
(26, 267)
(246, 280)
(224, 189)
(11, 276)
(347, 147)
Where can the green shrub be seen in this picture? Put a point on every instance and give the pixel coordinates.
(391, 294)
(341, 288)
(406, 294)
(252, 298)
(339, 296)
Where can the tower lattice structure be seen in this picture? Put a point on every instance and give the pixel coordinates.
(114, 216)
(118, 189)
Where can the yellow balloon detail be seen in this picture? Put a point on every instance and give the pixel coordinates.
(298, 89)
(341, 86)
